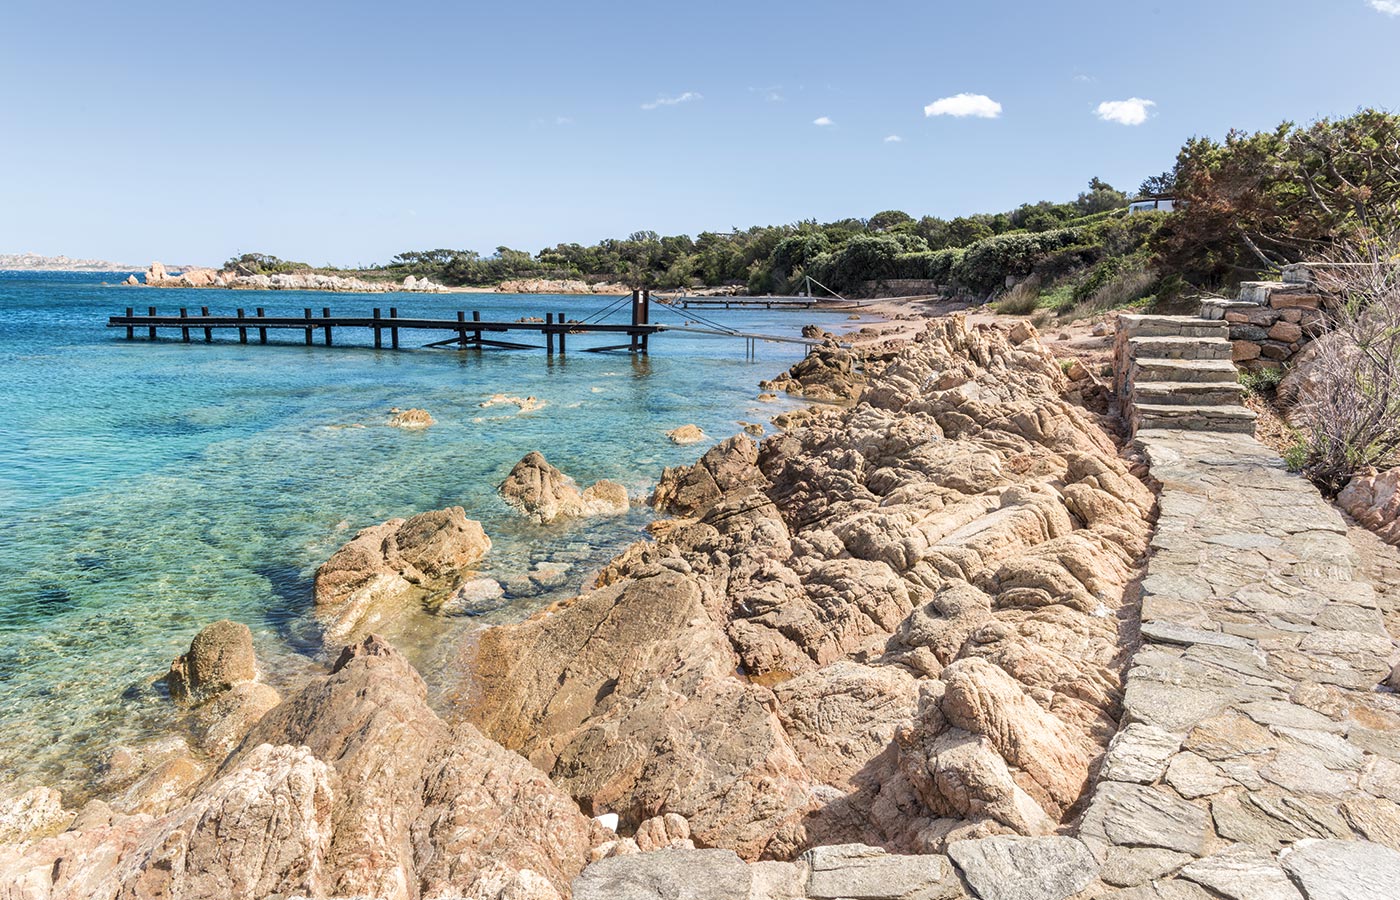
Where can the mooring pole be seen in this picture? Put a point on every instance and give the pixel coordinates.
(378, 338)
(151, 333)
(461, 330)
(549, 333)
(326, 314)
(184, 329)
(636, 320)
(307, 312)
(242, 330)
(562, 333)
(646, 316)
(130, 332)
(394, 329)
(476, 317)
(208, 332)
(262, 330)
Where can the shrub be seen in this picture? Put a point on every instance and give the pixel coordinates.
(1263, 382)
(1021, 300)
(1351, 420)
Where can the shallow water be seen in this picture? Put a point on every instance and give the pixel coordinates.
(149, 489)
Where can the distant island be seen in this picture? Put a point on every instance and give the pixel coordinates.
(33, 262)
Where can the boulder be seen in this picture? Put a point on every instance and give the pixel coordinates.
(197, 277)
(411, 418)
(156, 274)
(539, 490)
(131, 280)
(1017, 868)
(220, 656)
(664, 875)
(35, 813)
(384, 567)
(1373, 499)
(686, 434)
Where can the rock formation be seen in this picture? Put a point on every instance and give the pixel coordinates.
(896, 625)
(352, 787)
(411, 418)
(686, 434)
(828, 373)
(158, 276)
(387, 566)
(545, 494)
(1373, 499)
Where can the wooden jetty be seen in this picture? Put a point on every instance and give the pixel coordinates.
(742, 302)
(465, 333)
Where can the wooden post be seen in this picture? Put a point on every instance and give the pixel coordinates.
(130, 332)
(394, 329)
(461, 330)
(326, 314)
(307, 311)
(636, 318)
(378, 336)
(151, 332)
(208, 332)
(563, 332)
(549, 333)
(242, 331)
(646, 316)
(184, 329)
(476, 317)
(262, 330)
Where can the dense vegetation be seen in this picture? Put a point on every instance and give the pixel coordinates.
(1248, 204)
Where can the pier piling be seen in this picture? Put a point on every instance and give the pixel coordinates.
(394, 329)
(130, 332)
(242, 331)
(208, 332)
(326, 314)
(262, 330)
(152, 332)
(307, 311)
(184, 330)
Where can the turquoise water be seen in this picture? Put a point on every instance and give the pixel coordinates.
(149, 489)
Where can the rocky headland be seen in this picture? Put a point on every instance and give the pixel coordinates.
(913, 646)
(197, 277)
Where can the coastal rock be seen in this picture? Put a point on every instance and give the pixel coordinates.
(385, 566)
(32, 814)
(196, 277)
(686, 434)
(220, 656)
(684, 490)
(904, 612)
(221, 722)
(412, 418)
(156, 274)
(524, 404)
(545, 494)
(131, 280)
(858, 872)
(431, 811)
(827, 373)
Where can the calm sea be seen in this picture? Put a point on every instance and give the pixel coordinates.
(149, 489)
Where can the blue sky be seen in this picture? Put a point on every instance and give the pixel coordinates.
(345, 132)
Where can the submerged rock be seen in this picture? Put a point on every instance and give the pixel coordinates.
(412, 418)
(545, 494)
(386, 566)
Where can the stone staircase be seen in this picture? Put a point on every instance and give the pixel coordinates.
(1176, 372)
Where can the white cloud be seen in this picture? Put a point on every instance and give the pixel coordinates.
(673, 101)
(823, 121)
(1132, 111)
(1084, 79)
(894, 139)
(563, 120)
(1389, 7)
(963, 105)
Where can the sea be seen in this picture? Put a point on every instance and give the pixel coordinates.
(150, 488)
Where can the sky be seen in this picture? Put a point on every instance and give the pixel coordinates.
(345, 132)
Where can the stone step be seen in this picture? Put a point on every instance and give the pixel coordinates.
(1217, 307)
(1236, 419)
(1188, 393)
(1177, 347)
(1208, 370)
(1135, 325)
(1257, 292)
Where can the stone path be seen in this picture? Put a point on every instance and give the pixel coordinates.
(1175, 372)
(1257, 759)
(1256, 756)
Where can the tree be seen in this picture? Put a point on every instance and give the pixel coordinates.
(1101, 197)
(888, 220)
